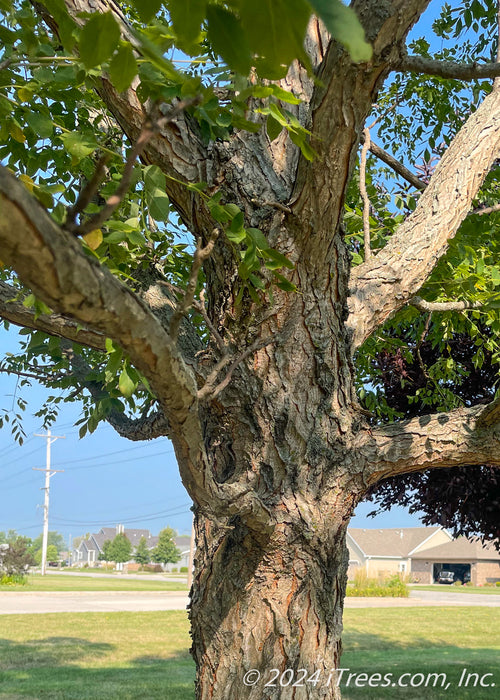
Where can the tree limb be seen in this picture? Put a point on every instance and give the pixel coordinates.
(398, 167)
(386, 282)
(448, 69)
(341, 101)
(54, 324)
(464, 437)
(52, 262)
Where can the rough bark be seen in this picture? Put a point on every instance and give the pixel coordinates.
(276, 460)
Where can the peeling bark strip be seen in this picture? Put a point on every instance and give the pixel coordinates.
(387, 281)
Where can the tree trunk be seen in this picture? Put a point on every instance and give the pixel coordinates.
(266, 611)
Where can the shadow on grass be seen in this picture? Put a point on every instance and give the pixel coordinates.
(416, 669)
(70, 668)
(52, 668)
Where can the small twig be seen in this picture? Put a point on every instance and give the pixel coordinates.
(200, 307)
(398, 167)
(210, 389)
(212, 329)
(431, 306)
(364, 194)
(6, 63)
(151, 128)
(274, 205)
(486, 210)
(87, 193)
(387, 111)
(185, 303)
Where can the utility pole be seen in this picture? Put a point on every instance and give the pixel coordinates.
(48, 473)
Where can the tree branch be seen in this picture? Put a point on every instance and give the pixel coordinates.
(54, 324)
(464, 437)
(341, 101)
(398, 167)
(430, 306)
(386, 282)
(184, 304)
(52, 262)
(448, 69)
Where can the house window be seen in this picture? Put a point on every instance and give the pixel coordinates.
(402, 566)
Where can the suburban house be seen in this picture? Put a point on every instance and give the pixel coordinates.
(467, 559)
(388, 551)
(421, 553)
(89, 549)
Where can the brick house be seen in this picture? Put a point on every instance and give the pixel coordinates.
(464, 557)
(384, 552)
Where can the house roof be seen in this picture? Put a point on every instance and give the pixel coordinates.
(390, 542)
(183, 542)
(462, 549)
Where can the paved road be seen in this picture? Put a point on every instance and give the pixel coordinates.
(145, 601)
(95, 601)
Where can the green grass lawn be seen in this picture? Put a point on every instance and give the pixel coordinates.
(100, 656)
(61, 582)
(493, 590)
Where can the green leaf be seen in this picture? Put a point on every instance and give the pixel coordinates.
(157, 200)
(236, 236)
(258, 238)
(126, 384)
(278, 258)
(147, 9)
(344, 25)
(40, 123)
(187, 16)
(273, 128)
(123, 68)
(284, 284)
(98, 39)
(275, 31)
(228, 39)
(79, 145)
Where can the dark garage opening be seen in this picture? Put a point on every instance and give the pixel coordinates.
(461, 571)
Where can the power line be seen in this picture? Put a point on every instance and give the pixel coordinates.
(184, 508)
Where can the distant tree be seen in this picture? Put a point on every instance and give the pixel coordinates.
(54, 538)
(165, 551)
(12, 536)
(142, 555)
(52, 553)
(15, 559)
(120, 549)
(105, 553)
